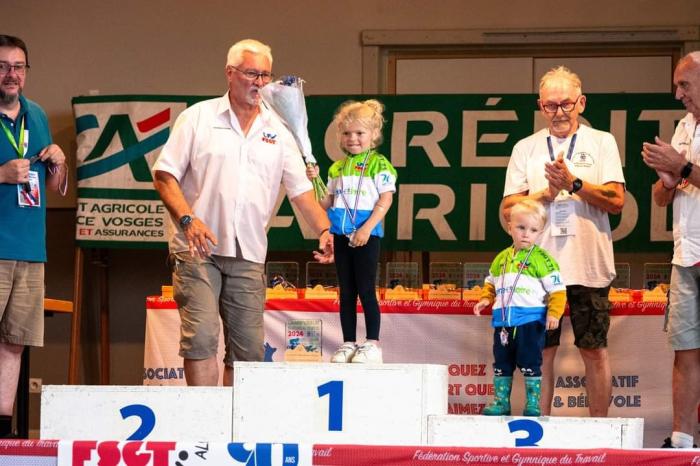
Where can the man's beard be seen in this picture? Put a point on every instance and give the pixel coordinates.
(253, 98)
(8, 99)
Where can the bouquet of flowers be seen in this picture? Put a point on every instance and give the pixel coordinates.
(286, 98)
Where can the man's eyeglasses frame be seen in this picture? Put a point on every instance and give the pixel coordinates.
(19, 68)
(566, 107)
(253, 75)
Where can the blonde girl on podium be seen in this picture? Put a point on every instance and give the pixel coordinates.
(360, 190)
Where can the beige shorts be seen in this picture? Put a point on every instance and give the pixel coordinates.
(683, 318)
(232, 288)
(22, 303)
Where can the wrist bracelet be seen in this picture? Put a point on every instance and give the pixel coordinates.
(322, 232)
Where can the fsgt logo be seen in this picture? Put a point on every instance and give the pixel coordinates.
(270, 138)
(113, 453)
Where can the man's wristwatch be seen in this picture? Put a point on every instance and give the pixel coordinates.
(685, 173)
(576, 186)
(185, 220)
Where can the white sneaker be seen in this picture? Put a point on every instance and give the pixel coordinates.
(368, 353)
(345, 353)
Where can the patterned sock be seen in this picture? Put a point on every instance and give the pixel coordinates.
(5, 426)
(681, 440)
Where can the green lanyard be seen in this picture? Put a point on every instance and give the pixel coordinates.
(10, 137)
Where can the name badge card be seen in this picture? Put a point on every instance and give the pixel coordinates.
(563, 217)
(28, 194)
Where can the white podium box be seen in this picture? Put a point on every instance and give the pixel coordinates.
(89, 412)
(546, 432)
(373, 404)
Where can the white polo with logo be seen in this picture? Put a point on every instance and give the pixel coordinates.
(586, 257)
(231, 180)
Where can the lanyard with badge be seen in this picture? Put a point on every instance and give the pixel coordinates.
(562, 209)
(505, 304)
(353, 214)
(28, 193)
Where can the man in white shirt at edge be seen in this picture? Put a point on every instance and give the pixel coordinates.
(679, 183)
(575, 171)
(219, 176)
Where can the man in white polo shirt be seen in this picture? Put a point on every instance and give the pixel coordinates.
(575, 171)
(679, 183)
(219, 176)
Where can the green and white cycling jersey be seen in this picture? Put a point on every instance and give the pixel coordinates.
(356, 182)
(525, 300)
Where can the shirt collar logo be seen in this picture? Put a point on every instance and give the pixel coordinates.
(270, 138)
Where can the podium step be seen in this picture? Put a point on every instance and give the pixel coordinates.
(336, 403)
(73, 412)
(547, 432)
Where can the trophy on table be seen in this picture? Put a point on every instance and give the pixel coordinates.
(444, 280)
(403, 281)
(286, 98)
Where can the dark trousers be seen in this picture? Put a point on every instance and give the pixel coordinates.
(524, 350)
(357, 276)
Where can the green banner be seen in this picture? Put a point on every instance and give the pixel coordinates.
(450, 152)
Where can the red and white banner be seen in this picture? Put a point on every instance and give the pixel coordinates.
(20, 452)
(342, 455)
(110, 453)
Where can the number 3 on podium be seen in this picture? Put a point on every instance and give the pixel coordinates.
(334, 390)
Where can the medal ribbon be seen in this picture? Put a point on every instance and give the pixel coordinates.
(568, 154)
(353, 214)
(10, 137)
(505, 305)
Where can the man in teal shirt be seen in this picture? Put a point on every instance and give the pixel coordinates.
(29, 164)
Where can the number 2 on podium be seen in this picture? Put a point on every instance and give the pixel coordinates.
(334, 390)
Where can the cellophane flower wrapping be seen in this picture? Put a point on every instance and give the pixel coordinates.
(286, 98)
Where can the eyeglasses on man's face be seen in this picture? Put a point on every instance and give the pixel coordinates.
(20, 68)
(566, 107)
(252, 75)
